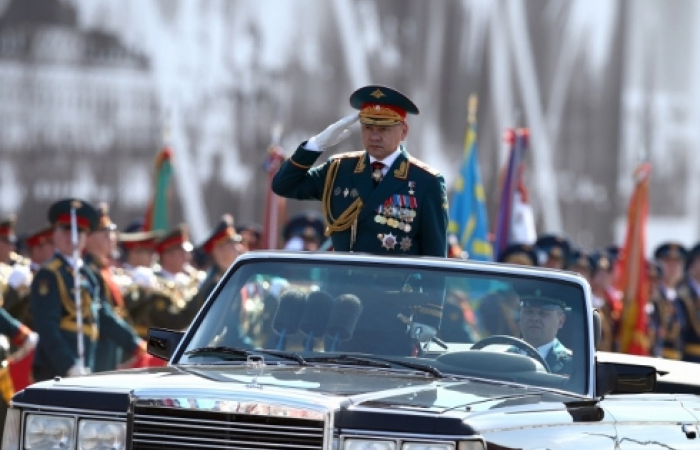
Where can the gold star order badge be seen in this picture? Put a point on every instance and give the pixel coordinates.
(406, 243)
(378, 94)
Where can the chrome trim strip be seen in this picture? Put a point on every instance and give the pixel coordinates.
(217, 424)
(400, 436)
(41, 409)
(200, 445)
(219, 442)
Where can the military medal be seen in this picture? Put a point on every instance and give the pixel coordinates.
(346, 192)
(406, 244)
(336, 191)
(377, 175)
(411, 185)
(388, 241)
(354, 193)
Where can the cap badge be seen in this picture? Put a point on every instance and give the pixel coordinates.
(378, 94)
(76, 204)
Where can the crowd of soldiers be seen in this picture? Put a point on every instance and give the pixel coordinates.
(131, 279)
(673, 308)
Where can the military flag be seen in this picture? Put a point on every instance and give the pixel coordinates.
(157, 212)
(633, 281)
(468, 216)
(515, 221)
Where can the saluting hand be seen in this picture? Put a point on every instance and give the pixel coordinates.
(334, 133)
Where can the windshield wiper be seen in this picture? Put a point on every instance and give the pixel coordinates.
(347, 359)
(245, 352)
(378, 361)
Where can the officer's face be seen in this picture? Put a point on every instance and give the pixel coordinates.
(553, 262)
(101, 243)
(62, 240)
(672, 268)
(539, 326)
(380, 142)
(42, 252)
(226, 253)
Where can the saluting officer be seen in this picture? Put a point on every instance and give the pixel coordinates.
(379, 200)
(689, 295)
(53, 304)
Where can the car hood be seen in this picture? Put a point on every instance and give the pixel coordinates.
(321, 385)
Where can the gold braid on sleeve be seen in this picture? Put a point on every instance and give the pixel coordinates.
(348, 218)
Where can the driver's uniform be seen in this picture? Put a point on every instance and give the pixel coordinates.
(558, 357)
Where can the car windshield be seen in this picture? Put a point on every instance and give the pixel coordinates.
(446, 321)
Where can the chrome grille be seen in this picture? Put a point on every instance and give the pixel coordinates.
(173, 429)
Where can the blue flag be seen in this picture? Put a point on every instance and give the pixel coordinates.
(468, 218)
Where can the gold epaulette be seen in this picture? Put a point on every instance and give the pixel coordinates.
(357, 154)
(420, 164)
(54, 264)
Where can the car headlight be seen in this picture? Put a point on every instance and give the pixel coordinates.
(368, 444)
(428, 446)
(49, 432)
(10, 434)
(101, 434)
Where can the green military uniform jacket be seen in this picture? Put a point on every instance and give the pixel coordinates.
(405, 214)
(559, 358)
(55, 319)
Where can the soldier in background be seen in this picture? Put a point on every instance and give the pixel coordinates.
(15, 277)
(606, 300)
(689, 295)
(40, 246)
(304, 232)
(581, 263)
(223, 246)
(251, 233)
(8, 243)
(553, 251)
(54, 308)
(99, 250)
(672, 320)
(656, 315)
(522, 254)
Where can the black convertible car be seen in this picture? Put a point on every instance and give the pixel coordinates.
(330, 351)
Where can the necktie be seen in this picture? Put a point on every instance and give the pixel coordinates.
(377, 174)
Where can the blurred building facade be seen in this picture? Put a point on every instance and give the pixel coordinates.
(86, 86)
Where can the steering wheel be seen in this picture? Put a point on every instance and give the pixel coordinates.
(521, 344)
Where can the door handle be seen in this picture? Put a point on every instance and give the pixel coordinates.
(690, 430)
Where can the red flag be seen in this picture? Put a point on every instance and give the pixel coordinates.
(633, 281)
(275, 206)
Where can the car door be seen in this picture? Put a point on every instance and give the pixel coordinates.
(651, 421)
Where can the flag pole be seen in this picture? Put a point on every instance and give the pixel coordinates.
(77, 291)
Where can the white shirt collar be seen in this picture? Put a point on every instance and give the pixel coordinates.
(71, 261)
(388, 161)
(543, 350)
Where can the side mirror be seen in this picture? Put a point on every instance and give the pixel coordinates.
(597, 328)
(162, 343)
(616, 378)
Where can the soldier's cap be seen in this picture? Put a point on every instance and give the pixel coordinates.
(308, 225)
(40, 236)
(254, 228)
(223, 232)
(7, 229)
(522, 254)
(601, 261)
(381, 105)
(693, 254)
(539, 294)
(613, 252)
(553, 246)
(145, 240)
(670, 250)
(86, 215)
(105, 222)
(581, 259)
(176, 238)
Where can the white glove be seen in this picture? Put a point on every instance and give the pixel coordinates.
(76, 371)
(27, 346)
(144, 277)
(332, 135)
(422, 332)
(20, 276)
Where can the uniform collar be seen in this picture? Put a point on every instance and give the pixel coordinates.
(544, 350)
(388, 161)
(70, 261)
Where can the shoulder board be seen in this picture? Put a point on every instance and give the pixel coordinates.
(357, 154)
(53, 264)
(420, 164)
